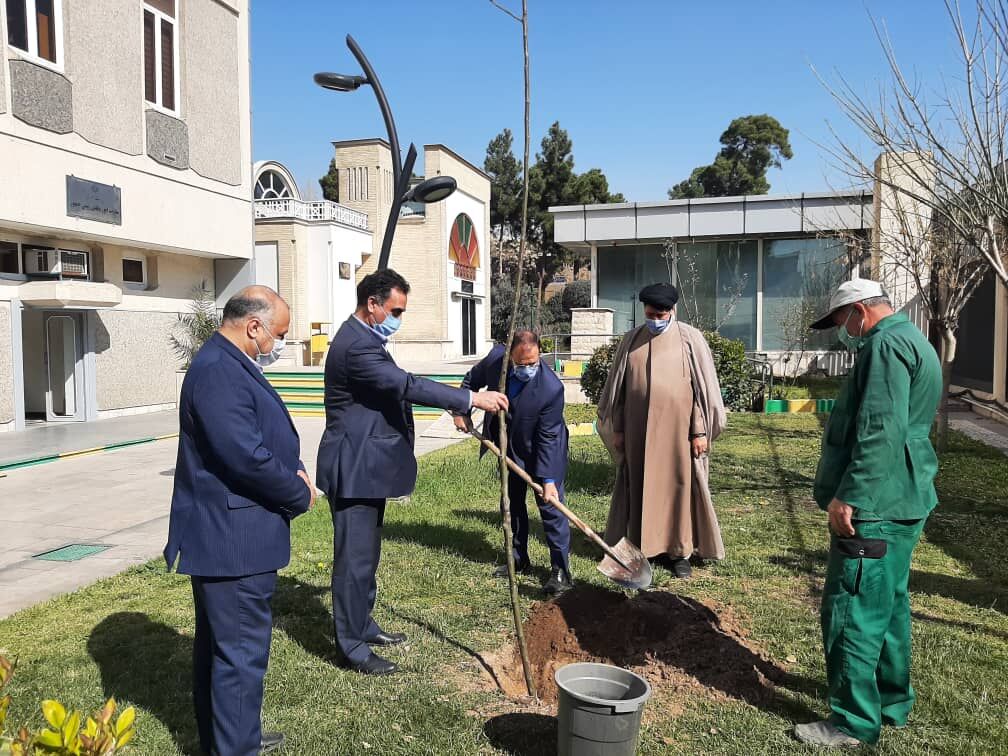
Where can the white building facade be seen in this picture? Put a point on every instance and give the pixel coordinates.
(125, 136)
(310, 252)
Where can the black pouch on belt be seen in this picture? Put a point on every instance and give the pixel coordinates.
(868, 548)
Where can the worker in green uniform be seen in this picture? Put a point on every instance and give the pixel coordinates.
(876, 482)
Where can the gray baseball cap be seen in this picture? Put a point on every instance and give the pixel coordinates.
(848, 293)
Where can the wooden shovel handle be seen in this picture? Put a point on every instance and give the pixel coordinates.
(577, 521)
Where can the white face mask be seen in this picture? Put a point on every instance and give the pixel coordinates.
(268, 358)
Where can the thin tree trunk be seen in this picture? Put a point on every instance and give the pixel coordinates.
(539, 301)
(502, 441)
(948, 349)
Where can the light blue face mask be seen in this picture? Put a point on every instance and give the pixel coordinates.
(388, 326)
(853, 343)
(525, 373)
(657, 326)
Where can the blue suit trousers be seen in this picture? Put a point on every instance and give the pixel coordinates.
(234, 622)
(357, 525)
(555, 525)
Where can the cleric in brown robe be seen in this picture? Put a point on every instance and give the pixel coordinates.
(659, 411)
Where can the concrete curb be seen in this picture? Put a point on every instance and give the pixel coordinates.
(41, 460)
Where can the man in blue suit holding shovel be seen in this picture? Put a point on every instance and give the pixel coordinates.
(537, 441)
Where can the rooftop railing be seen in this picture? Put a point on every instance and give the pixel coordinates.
(322, 211)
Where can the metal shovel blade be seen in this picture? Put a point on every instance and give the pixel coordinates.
(637, 572)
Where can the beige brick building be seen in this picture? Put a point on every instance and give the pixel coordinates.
(442, 249)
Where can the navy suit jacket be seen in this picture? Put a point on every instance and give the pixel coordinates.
(537, 433)
(367, 448)
(236, 481)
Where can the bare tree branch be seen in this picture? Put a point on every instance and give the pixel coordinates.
(506, 10)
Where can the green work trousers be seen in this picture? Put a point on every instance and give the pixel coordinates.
(866, 630)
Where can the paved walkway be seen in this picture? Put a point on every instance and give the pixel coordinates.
(990, 432)
(47, 439)
(119, 498)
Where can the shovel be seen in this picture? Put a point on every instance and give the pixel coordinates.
(624, 563)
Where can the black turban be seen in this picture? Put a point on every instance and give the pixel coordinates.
(660, 296)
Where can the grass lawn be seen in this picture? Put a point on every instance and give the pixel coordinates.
(130, 636)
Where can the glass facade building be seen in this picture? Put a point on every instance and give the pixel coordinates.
(761, 291)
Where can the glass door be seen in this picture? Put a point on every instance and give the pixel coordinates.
(64, 358)
(468, 327)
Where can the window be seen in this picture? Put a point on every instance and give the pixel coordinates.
(35, 27)
(799, 276)
(622, 272)
(161, 85)
(717, 288)
(271, 185)
(10, 258)
(358, 179)
(134, 272)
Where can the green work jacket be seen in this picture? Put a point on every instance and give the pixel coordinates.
(876, 451)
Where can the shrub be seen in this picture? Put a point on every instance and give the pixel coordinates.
(99, 735)
(732, 371)
(580, 413)
(729, 361)
(196, 327)
(597, 369)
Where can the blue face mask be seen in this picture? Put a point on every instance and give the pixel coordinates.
(657, 326)
(388, 326)
(525, 373)
(853, 343)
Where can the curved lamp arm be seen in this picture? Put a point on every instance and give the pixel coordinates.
(372, 79)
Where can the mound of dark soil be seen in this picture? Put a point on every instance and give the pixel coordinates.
(672, 641)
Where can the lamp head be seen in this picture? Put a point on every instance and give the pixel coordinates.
(339, 82)
(431, 190)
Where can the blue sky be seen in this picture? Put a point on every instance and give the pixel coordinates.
(643, 88)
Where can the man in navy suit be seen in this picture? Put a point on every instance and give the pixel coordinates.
(537, 441)
(366, 456)
(239, 481)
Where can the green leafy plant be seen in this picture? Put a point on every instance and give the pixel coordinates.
(195, 327)
(732, 371)
(101, 735)
(596, 370)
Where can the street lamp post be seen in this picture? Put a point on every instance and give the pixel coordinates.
(433, 189)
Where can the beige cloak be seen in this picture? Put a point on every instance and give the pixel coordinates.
(660, 390)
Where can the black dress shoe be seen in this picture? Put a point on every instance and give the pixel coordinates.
(271, 741)
(559, 582)
(521, 568)
(681, 568)
(387, 639)
(375, 665)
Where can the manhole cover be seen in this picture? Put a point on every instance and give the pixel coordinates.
(71, 553)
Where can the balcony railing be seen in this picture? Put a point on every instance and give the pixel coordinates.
(322, 211)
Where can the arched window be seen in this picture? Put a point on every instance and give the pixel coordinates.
(271, 185)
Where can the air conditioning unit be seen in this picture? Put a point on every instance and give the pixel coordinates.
(74, 264)
(41, 261)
